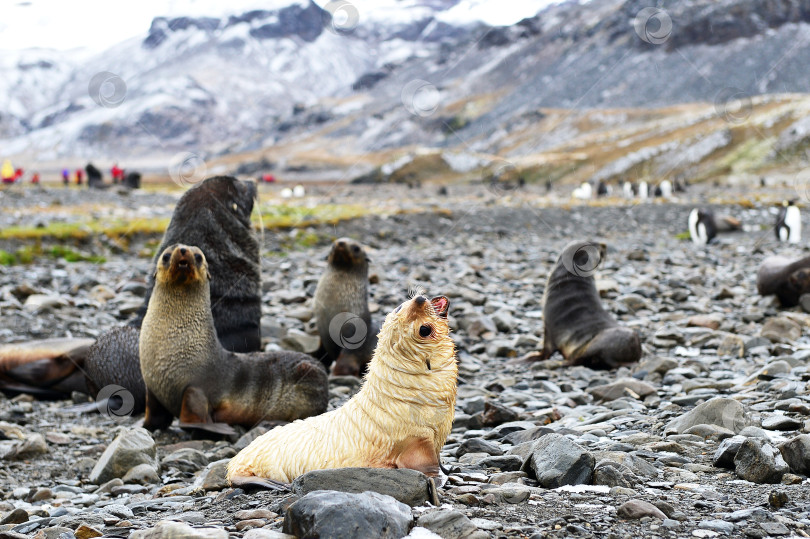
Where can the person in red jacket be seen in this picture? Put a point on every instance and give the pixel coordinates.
(35, 178)
(117, 173)
(79, 176)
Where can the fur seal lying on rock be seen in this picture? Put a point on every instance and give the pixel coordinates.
(341, 307)
(704, 226)
(575, 322)
(46, 369)
(786, 278)
(400, 418)
(188, 374)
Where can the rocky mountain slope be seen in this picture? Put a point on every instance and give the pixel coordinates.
(300, 89)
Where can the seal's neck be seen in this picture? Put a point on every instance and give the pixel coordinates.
(186, 306)
(387, 380)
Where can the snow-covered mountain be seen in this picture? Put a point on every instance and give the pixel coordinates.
(206, 82)
(369, 75)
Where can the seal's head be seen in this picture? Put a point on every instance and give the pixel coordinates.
(180, 265)
(418, 336)
(800, 280)
(234, 197)
(582, 258)
(348, 255)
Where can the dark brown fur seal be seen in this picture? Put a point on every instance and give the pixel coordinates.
(575, 322)
(786, 278)
(113, 360)
(341, 307)
(215, 217)
(188, 374)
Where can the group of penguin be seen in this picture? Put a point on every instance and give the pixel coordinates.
(630, 189)
(297, 192)
(703, 226)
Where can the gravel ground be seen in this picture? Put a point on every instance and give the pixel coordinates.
(705, 334)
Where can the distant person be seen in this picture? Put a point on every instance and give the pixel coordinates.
(65, 177)
(79, 176)
(18, 174)
(35, 178)
(268, 178)
(94, 177)
(117, 173)
(132, 180)
(7, 172)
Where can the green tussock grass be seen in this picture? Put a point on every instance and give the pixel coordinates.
(120, 232)
(85, 229)
(6, 258)
(683, 236)
(60, 251)
(287, 216)
(272, 216)
(32, 253)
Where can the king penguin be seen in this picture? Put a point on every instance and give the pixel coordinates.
(702, 228)
(643, 190)
(789, 223)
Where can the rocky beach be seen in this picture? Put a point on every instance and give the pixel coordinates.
(706, 436)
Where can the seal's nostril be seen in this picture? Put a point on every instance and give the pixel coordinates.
(420, 300)
(182, 250)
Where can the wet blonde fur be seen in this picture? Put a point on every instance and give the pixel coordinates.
(401, 401)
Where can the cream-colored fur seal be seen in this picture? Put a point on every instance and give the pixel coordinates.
(400, 418)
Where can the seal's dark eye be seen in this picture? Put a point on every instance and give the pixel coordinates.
(425, 331)
(198, 258)
(356, 249)
(166, 258)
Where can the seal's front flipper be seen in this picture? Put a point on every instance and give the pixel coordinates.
(525, 359)
(222, 429)
(195, 408)
(348, 364)
(195, 413)
(156, 415)
(418, 454)
(243, 481)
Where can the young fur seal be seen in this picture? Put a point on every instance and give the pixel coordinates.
(341, 309)
(189, 374)
(786, 278)
(575, 322)
(400, 418)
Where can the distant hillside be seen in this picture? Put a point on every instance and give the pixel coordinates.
(567, 93)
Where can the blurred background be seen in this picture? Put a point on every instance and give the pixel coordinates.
(408, 91)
